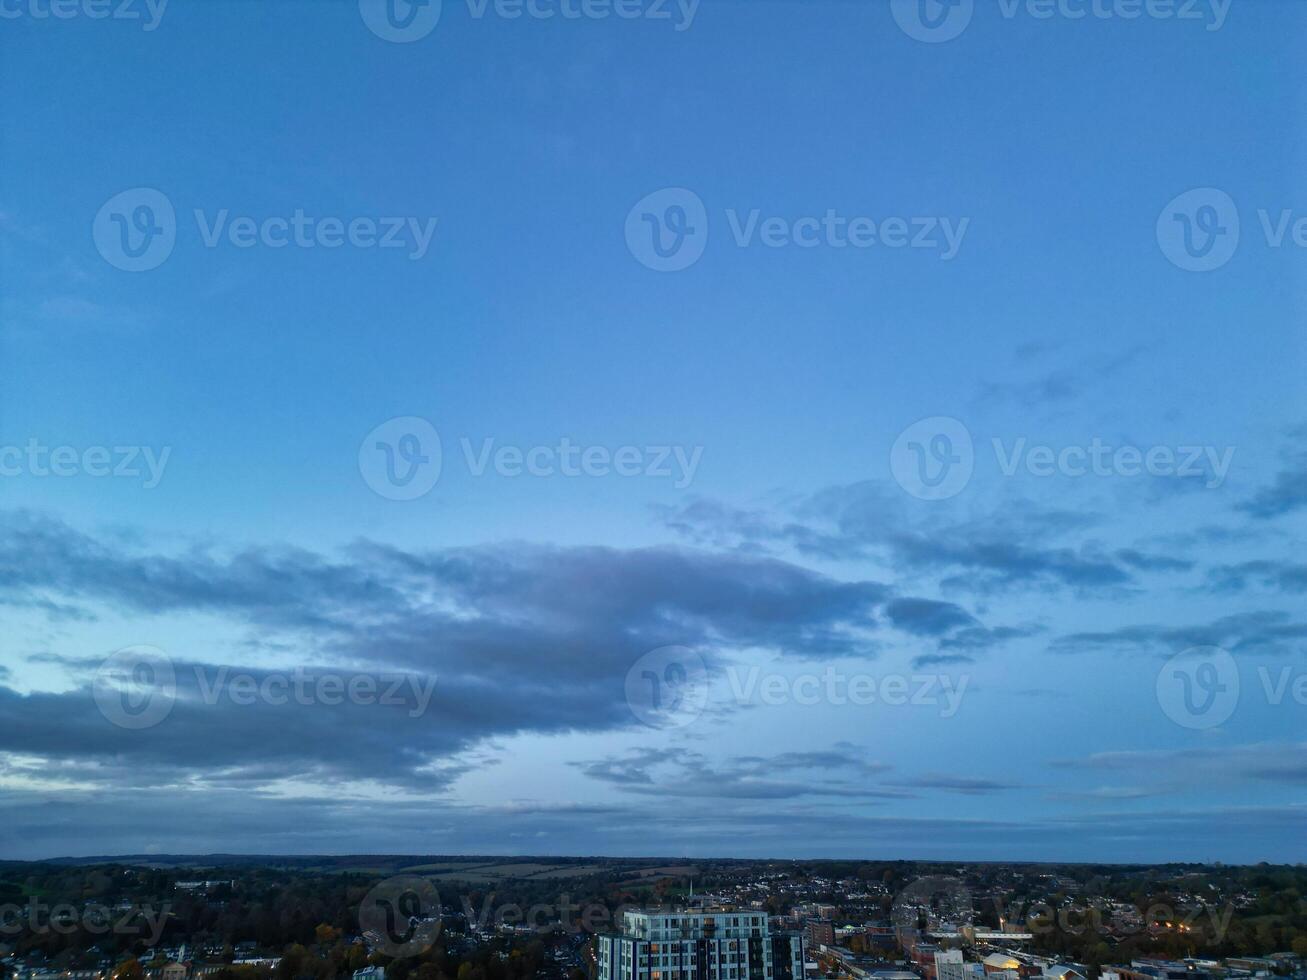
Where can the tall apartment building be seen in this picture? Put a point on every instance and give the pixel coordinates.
(699, 945)
(950, 966)
(820, 932)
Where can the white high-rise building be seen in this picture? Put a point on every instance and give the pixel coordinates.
(950, 966)
(699, 945)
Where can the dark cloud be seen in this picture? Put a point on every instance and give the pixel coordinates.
(215, 733)
(863, 520)
(1181, 770)
(1059, 385)
(529, 639)
(1287, 493)
(837, 772)
(966, 785)
(1281, 575)
(635, 768)
(1018, 547)
(984, 637)
(1100, 794)
(1033, 349)
(843, 756)
(1266, 631)
(1152, 562)
(514, 604)
(494, 641)
(928, 617)
(1211, 535)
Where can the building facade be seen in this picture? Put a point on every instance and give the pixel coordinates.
(699, 945)
(949, 965)
(820, 932)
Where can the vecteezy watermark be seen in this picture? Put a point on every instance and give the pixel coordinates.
(934, 459)
(670, 688)
(402, 460)
(405, 21)
(136, 688)
(36, 459)
(1117, 918)
(36, 918)
(136, 231)
(1211, 464)
(1199, 687)
(932, 899)
(148, 12)
(401, 915)
(667, 231)
(936, 21)
(679, 13)
(541, 917)
(400, 21)
(1210, 13)
(1286, 682)
(836, 687)
(667, 687)
(1199, 231)
(932, 21)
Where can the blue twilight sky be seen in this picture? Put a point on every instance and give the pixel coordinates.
(913, 263)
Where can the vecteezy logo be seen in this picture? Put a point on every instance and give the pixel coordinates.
(1199, 687)
(667, 230)
(136, 687)
(136, 230)
(931, 900)
(1199, 230)
(667, 687)
(401, 21)
(400, 459)
(932, 21)
(933, 459)
(401, 915)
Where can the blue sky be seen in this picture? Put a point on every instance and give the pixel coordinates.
(1050, 145)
